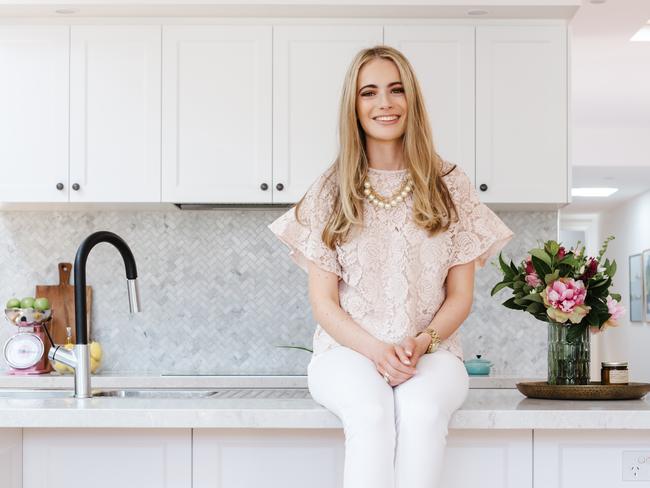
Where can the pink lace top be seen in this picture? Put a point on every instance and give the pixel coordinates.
(391, 273)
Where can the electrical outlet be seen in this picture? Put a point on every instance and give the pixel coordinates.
(636, 465)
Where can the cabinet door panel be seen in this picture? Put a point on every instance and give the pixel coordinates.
(443, 60)
(34, 113)
(488, 458)
(11, 459)
(217, 113)
(115, 113)
(521, 114)
(283, 458)
(309, 67)
(107, 458)
(591, 458)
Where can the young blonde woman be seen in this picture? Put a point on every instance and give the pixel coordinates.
(390, 235)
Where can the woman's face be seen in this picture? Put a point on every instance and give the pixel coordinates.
(380, 93)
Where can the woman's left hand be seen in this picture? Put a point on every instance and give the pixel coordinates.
(412, 348)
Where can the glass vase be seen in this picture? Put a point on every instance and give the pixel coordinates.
(568, 363)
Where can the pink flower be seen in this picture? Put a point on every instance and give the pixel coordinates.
(615, 309)
(533, 280)
(561, 253)
(531, 276)
(564, 300)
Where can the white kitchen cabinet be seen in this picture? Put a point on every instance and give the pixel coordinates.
(251, 458)
(115, 113)
(443, 59)
(314, 458)
(592, 458)
(521, 114)
(34, 113)
(309, 64)
(11, 458)
(106, 458)
(489, 458)
(217, 121)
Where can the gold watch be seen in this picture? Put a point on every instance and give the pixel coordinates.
(435, 339)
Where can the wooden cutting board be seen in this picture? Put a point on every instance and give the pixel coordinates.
(61, 299)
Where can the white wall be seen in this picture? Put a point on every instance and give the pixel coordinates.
(630, 223)
(610, 146)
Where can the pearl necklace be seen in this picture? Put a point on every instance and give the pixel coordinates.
(398, 197)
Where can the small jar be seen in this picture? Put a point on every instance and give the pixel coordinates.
(613, 373)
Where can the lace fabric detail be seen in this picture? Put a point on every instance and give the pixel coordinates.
(391, 272)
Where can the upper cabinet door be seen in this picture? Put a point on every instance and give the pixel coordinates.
(217, 113)
(443, 60)
(115, 113)
(521, 114)
(310, 62)
(34, 113)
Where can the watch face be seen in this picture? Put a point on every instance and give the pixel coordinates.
(23, 350)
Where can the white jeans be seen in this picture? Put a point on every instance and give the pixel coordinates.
(395, 437)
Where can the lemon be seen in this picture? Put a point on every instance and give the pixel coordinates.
(96, 350)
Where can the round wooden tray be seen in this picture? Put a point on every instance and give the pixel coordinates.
(592, 391)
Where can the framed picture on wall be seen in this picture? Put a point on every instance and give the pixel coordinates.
(646, 285)
(636, 288)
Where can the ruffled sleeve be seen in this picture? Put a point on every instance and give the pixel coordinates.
(304, 238)
(479, 234)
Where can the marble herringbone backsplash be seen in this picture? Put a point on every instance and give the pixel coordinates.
(219, 291)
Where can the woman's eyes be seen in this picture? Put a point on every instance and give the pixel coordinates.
(399, 90)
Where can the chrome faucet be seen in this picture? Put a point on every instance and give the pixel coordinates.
(79, 357)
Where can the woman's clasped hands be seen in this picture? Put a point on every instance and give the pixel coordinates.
(398, 361)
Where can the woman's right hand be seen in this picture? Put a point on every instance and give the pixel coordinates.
(387, 360)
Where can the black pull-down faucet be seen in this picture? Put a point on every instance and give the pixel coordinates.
(79, 357)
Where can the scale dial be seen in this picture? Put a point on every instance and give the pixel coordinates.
(23, 350)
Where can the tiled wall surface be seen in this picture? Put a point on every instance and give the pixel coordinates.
(220, 293)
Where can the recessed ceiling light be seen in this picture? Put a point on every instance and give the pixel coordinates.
(477, 12)
(597, 1)
(642, 35)
(593, 192)
(66, 11)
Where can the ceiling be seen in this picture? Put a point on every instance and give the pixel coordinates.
(610, 78)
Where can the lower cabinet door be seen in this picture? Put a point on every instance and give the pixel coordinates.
(488, 458)
(269, 458)
(107, 458)
(592, 458)
(11, 451)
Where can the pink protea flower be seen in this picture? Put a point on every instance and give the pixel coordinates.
(531, 276)
(564, 299)
(615, 309)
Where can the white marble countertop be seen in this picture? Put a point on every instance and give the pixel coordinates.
(483, 409)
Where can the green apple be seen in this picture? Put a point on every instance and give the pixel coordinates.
(13, 303)
(27, 302)
(42, 304)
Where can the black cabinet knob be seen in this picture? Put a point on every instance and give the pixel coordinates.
(483, 187)
(264, 186)
(75, 186)
(59, 186)
(279, 187)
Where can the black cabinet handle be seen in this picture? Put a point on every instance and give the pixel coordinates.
(59, 186)
(279, 187)
(264, 186)
(75, 186)
(483, 187)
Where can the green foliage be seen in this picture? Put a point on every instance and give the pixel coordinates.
(552, 262)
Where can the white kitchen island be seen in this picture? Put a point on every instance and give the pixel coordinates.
(498, 438)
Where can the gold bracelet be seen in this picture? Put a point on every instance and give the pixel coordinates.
(435, 339)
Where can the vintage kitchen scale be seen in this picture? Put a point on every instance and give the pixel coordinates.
(26, 350)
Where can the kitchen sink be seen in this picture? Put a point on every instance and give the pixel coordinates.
(216, 394)
(213, 394)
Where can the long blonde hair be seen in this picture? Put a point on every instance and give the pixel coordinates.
(433, 207)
